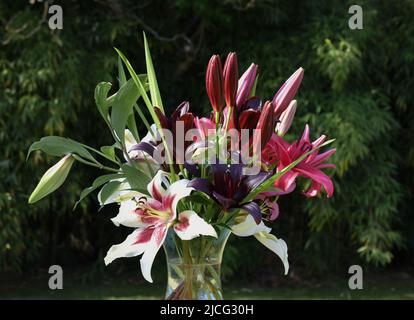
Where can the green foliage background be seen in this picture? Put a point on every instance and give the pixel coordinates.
(358, 87)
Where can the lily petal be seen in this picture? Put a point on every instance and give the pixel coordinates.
(245, 84)
(127, 216)
(319, 177)
(203, 126)
(175, 193)
(126, 249)
(129, 139)
(159, 185)
(276, 245)
(248, 227)
(191, 225)
(254, 210)
(151, 250)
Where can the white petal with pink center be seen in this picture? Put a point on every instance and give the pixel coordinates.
(128, 248)
(248, 227)
(190, 226)
(127, 216)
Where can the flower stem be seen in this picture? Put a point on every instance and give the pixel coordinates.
(92, 164)
(217, 133)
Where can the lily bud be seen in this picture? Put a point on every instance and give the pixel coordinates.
(287, 92)
(286, 119)
(265, 125)
(231, 78)
(214, 83)
(52, 179)
(245, 84)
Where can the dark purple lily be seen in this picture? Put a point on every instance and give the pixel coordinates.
(214, 83)
(229, 187)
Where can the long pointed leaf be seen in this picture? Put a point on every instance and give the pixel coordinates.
(121, 73)
(58, 146)
(152, 78)
(149, 106)
(140, 87)
(124, 101)
(101, 93)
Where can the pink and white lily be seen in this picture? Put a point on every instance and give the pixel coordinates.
(152, 217)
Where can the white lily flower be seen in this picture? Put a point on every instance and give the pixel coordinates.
(152, 217)
(248, 227)
(151, 137)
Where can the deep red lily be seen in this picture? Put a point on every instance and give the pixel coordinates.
(214, 83)
(265, 126)
(281, 152)
(231, 78)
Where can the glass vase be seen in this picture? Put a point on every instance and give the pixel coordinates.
(194, 266)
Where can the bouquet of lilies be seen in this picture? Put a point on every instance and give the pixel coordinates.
(193, 178)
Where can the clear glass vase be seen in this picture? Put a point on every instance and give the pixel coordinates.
(194, 266)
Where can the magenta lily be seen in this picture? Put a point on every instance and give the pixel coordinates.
(285, 153)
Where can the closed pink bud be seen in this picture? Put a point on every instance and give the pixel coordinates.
(265, 125)
(286, 119)
(287, 92)
(231, 78)
(245, 84)
(214, 83)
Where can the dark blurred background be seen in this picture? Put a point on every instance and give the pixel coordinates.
(358, 87)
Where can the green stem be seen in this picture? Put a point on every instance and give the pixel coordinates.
(217, 134)
(230, 112)
(96, 165)
(100, 153)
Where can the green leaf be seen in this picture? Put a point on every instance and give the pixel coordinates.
(150, 107)
(53, 178)
(96, 184)
(108, 190)
(101, 94)
(137, 179)
(200, 198)
(152, 78)
(121, 73)
(58, 146)
(109, 151)
(122, 106)
(140, 87)
(268, 184)
(132, 126)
